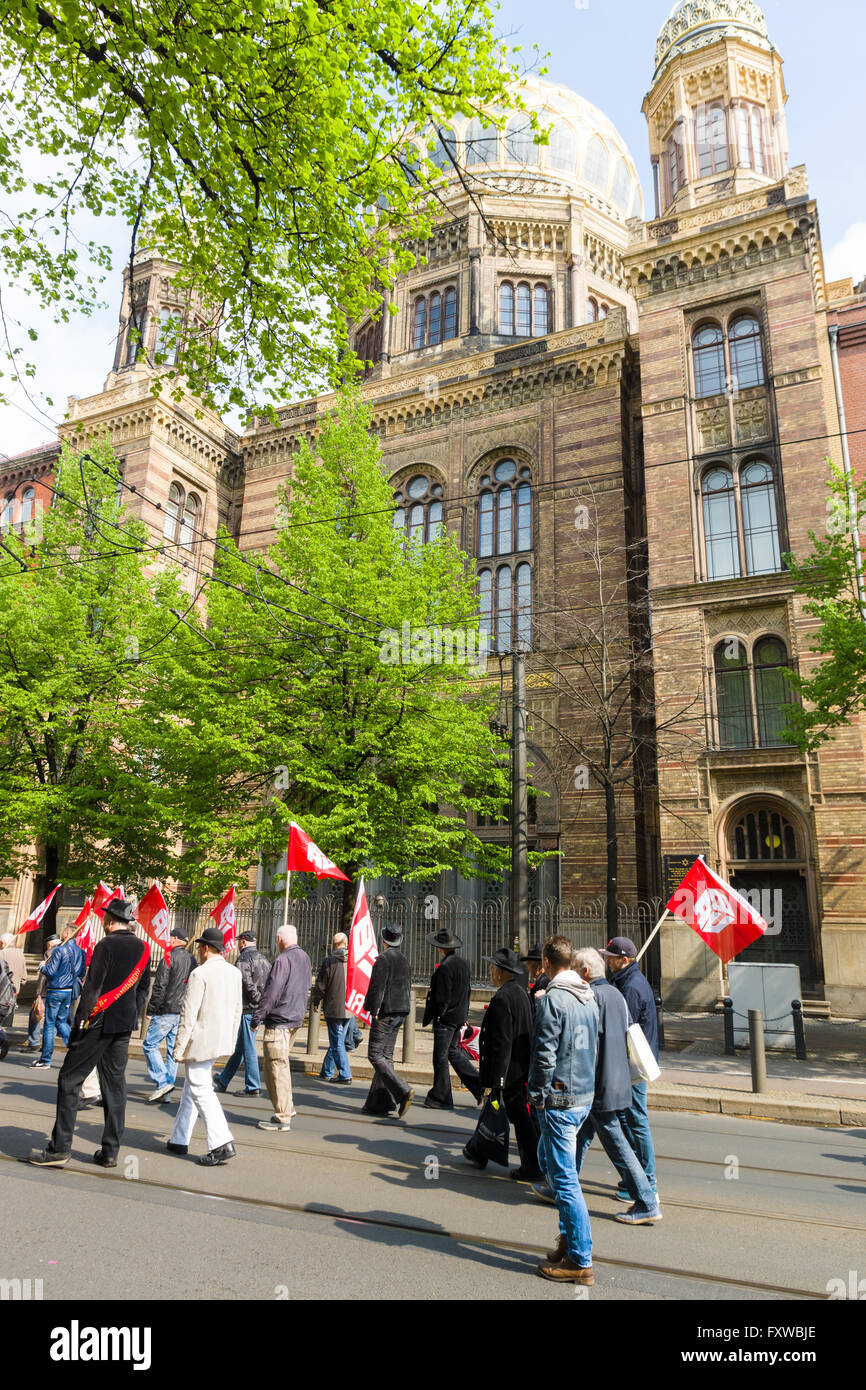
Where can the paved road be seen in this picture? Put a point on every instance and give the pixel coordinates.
(352, 1207)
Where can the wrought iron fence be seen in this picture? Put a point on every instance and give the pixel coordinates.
(482, 928)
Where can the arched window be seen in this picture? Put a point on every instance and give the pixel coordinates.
(763, 833)
(674, 167)
(720, 525)
(434, 333)
(709, 354)
(711, 139)
(562, 150)
(539, 311)
(419, 323)
(485, 605)
(173, 511)
(760, 522)
(750, 129)
(444, 147)
(596, 169)
(450, 322)
(28, 497)
(622, 185)
(603, 311)
(134, 342)
(505, 528)
(523, 588)
(747, 356)
(520, 146)
(506, 309)
(8, 511)
(591, 311)
(733, 695)
(189, 525)
(503, 609)
(419, 508)
(523, 312)
(481, 143)
(772, 691)
(167, 339)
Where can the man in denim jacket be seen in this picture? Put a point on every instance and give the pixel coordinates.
(561, 1087)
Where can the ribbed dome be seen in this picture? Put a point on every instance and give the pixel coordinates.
(586, 152)
(694, 24)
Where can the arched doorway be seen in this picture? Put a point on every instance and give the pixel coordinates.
(767, 859)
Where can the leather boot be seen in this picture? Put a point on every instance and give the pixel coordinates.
(559, 1251)
(566, 1272)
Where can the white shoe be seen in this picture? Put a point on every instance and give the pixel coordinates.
(160, 1092)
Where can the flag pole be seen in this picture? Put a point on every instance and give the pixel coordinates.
(288, 885)
(656, 929)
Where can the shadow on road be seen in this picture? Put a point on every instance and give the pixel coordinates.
(385, 1233)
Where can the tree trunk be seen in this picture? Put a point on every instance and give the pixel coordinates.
(612, 858)
(349, 895)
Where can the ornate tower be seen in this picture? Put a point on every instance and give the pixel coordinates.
(716, 107)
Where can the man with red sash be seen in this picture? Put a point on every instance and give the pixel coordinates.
(112, 999)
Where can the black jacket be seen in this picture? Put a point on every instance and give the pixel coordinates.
(388, 992)
(448, 999)
(330, 986)
(255, 969)
(169, 987)
(506, 1037)
(635, 990)
(612, 1071)
(540, 983)
(114, 959)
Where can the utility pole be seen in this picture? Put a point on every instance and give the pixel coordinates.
(519, 818)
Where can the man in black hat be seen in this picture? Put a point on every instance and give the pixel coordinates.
(505, 1046)
(538, 977)
(388, 1001)
(113, 996)
(447, 1009)
(163, 1008)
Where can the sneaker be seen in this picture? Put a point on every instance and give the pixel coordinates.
(566, 1272)
(636, 1217)
(218, 1155)
(160, 1092)
(323, 1077)
(405, 1103)
(545, 1192)
(272, 1125)
(44, 1158)
(104, 1160)
(40, 1064)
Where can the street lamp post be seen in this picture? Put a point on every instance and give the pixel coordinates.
(519, 817)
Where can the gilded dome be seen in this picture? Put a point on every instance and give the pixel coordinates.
(585, 152)
(694, 24)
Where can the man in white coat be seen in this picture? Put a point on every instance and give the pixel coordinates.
(208, 1029)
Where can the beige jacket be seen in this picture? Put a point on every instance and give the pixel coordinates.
(211, 1014)
(14, 958)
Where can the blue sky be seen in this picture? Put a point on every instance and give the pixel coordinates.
(604, 50)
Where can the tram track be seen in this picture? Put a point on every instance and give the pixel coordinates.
(455, 1237)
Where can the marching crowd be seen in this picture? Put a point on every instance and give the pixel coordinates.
(553, 1053)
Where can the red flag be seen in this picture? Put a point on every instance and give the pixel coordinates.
(307, 857)
(224, 916)
(362, 954)
(102, 897)
(38, 913)
(83, 915)
(724, 920)
(85, 938)
(152, 915)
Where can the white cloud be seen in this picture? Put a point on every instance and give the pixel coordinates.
(848, 256)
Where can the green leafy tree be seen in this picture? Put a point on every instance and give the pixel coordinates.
(832, 577)
(262, 143)
(87, 621)
(316, 710)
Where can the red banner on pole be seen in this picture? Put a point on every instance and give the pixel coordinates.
(308, 858)
(35, 918)
(362, 955)
(102, 897)
(224, 916)
(724, 920)
(152, 915)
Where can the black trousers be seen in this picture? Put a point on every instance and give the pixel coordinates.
(388, 1089)
(445, 1050)
(109, 1056)
(524, 1122)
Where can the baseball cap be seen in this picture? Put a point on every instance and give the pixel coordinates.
(620, 946)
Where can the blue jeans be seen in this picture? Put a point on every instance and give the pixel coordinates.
(559, 1131)
(635, 1123)
(245, 1051)
(336, 1052)
(608, 1127)
(162, 1027)
(56, 1020)
(34, 1030)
